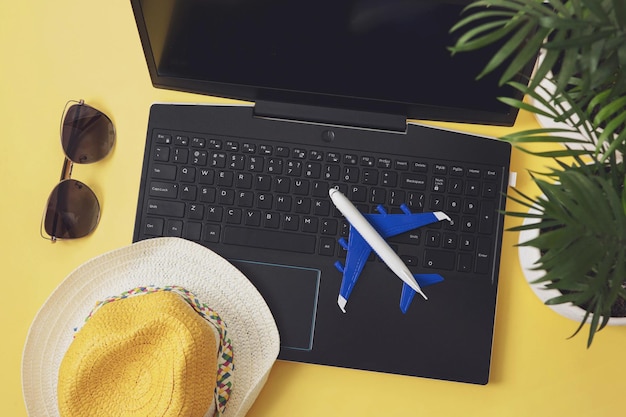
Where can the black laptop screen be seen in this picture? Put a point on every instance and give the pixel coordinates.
(378, 55)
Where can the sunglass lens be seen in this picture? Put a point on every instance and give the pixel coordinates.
(87, 135)
(73, 210)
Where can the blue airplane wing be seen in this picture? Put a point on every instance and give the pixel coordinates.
(388, 225)
(358, 250)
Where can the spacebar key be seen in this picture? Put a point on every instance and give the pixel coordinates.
(269, 239)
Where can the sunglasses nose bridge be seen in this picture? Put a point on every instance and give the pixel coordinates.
(66, 170)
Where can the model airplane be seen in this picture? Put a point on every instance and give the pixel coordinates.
(368, 232)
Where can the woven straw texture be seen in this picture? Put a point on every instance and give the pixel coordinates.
(156, 262)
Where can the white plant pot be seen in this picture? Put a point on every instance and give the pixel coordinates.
(528, 258)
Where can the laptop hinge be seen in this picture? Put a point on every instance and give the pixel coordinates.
(332, 116)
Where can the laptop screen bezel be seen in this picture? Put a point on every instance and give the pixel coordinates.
(252, 93)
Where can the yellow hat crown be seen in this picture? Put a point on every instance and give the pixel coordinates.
(162, 353)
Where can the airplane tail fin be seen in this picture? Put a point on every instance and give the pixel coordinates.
(408, 293)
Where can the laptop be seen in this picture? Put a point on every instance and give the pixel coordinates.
(327, 88)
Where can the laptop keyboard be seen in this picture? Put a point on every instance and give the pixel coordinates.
(266, 194)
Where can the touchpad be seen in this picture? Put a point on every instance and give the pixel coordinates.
(291, 294)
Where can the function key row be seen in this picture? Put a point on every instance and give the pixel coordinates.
(198, 142)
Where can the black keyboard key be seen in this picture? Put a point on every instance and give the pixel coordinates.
(473, 173)
(389, 178)
(291, 222)
(245, 198)
(378, 196)
(283, 203)
(166, 208)
(413, 181)
(163, 172)
(214, 144)
(457, 170)
(487, 217)
(491, 174)
(329, 227)
(192, 231)
(455, 185)
(207, 176)
(233, 215)
(263, 182)
(420, 166)
(409, 260)
(470, 206)
(269, 239)
(207, 194)
(464, 262)
(195, 211)
(188, 192)
(271, 220)
(211, 233)
(252, 217)
(264, 201)
(225, 178)
(181, 155)
(153, 227)
(301, 187)
(468, 224)
(243, 180)
(214, 213)
(187, 174)
(438, 184)
(282, 151)
(199, 158)
(226, 197)
(433, 238)
(440, 169)
(327, 246)
(174, 228)
(161, 153)
(489, 190)
(468, 242)
(439, 259)
(483, 255)
(310, 224)
(180, 140)
(450, 241)
(163, 138)
(282, 185)
(436, 202)
(198, 142)
(163, 189)
(472, 188)
(332, 172)
(319, 189)
(350, 174)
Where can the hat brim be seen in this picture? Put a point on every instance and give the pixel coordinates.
(157, 262)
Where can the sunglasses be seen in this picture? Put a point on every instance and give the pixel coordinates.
(73, 210)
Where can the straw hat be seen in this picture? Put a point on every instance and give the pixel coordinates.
(168, 281)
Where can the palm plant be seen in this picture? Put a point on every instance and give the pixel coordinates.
(584, 42)
(581, 82)
(581, 220)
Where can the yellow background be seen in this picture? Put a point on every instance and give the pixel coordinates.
(53, 51)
